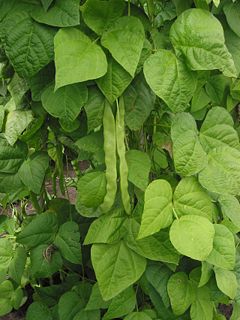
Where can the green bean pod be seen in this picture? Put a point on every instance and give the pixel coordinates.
(109, 133)
(121, 150)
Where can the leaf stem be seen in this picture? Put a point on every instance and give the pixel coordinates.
(175, 214)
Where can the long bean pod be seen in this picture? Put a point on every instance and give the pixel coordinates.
(109, 133)
(121, 150)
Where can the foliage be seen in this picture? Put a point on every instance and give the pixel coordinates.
(145, 94)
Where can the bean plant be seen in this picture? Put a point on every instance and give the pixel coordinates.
(138, 99)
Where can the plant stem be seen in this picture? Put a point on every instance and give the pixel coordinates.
(35, 203)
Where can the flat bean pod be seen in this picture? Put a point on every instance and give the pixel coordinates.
(121, 150)
(109, 133)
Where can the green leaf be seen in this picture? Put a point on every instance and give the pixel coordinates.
(87, 315)
(46, 4)
(38, 310)
(189, 156)
(156, 247)
(233, 45)
(193, 236)
(6, 252)
(217, 130)
(116, 267)
(44, 261)
(108, 228)
(96, 301)
(230, 207)
(157, 213)
(223, 254)
(124, 39)
(158, 276)
(94, 108)
(200, 100)
(68, 242)
(6, 291)
(122, 304)
(137, 316)
(180, 292)
(29, 45)
(61, 14)
(202, 307)
(190, 198)
(69, 305)
(92, 189)
(170, 79)
(17, 265)
(11, 157)
(206, 273)
(232, 14)
(99, 15)
(87, 61)
(17, 121)
(139, 165)
(41, 229)
(199, 37)
(115, 81)
(226, 282)
(139, 102)
(17, 88)
(33, 170)
(222, 174)
(217, 88)
(66, 102)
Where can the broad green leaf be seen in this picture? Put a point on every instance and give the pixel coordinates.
(94, 108)
(139, 165)
(232, 13)
(11, 157)
(156, 247)
(116, 267)
(137, 316)
(99, 15)
(87, 315)
(157, 213)
(122, 304)
(139, 102)
(233, 45)
(223, 253)
(17, 88)
(40, 81)
(6, 291)
(38, 310)
(124, 39)
(217, 130)
(217, 88)
(170, 79)
(226, 282)
(17, 265)
(46, 4)
(77, 58)
(66, 102)
(17, 121)
(6, 252)
(114, 82)
(69, 305)
(61, 14)
(41, 229)
(199, 37)
(158, 275)
(33, 170)
(230, 207)
(222, 174)
(190, 198)
(180, 292)
(11, 184)
(91, 143)
(44, 261)
(200, 100)
(69, 126)
(68, 242)
(236, 312)
(96, 301)
(108, 228)
(189, 156)
(193, 236)
(29, 45)
(92, 189)
(206, 273)
(202, 307)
